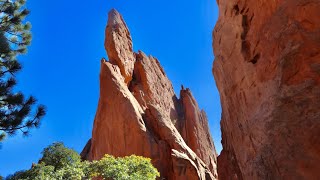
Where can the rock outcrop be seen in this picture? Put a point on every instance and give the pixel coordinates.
(119, 45)
(139, 113)
(267, 69)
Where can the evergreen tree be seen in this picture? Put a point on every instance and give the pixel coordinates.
(16, 110)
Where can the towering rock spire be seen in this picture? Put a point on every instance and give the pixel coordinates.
(118, 44)
(139, 113)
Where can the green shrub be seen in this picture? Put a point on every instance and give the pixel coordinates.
(61, 163)
(127, 168)
(58, 156)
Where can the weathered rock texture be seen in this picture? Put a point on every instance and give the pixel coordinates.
(139, 113)
(119, 46)
(267, 70)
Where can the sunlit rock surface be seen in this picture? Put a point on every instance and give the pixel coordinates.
(139, 113)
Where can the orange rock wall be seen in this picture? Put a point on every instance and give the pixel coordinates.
(267, 69)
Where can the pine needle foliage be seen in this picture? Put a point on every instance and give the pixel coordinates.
(17, 112)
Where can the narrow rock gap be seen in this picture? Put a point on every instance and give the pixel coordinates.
(236, 9)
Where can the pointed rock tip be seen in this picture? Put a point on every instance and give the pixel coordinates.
(114, 17)
(185, 92)
(185, 89)
(113, 12)
(103, 60)
(140, 54)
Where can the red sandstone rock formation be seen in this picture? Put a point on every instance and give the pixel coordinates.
(139, 113)
(267, 69)
(119, 45)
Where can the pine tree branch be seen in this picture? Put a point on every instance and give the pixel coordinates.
(19, 127)
(9, 32)
(16, 113)
(17, 43)
(4, 72)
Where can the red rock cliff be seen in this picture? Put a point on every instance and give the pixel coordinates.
(267, 69)
(139, 113)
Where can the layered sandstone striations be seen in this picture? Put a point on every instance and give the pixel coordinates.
(267, 69)
(139, 113)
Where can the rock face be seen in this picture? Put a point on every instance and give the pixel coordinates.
(119, 45)
(267, 70)
(139, 113)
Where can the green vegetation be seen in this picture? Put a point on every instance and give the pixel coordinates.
(16, 111)
(58, 156)
(59, 162)
(129, 168)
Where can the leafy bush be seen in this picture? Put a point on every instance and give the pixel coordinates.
(59, 162)
(129, 168)
(58, 156)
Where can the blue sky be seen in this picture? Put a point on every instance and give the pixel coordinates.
(62, 65)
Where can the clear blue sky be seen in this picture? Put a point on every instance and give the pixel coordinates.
(62, 65)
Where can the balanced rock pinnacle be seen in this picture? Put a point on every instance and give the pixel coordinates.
(267, 69)
(119, 45)
(139, 113)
